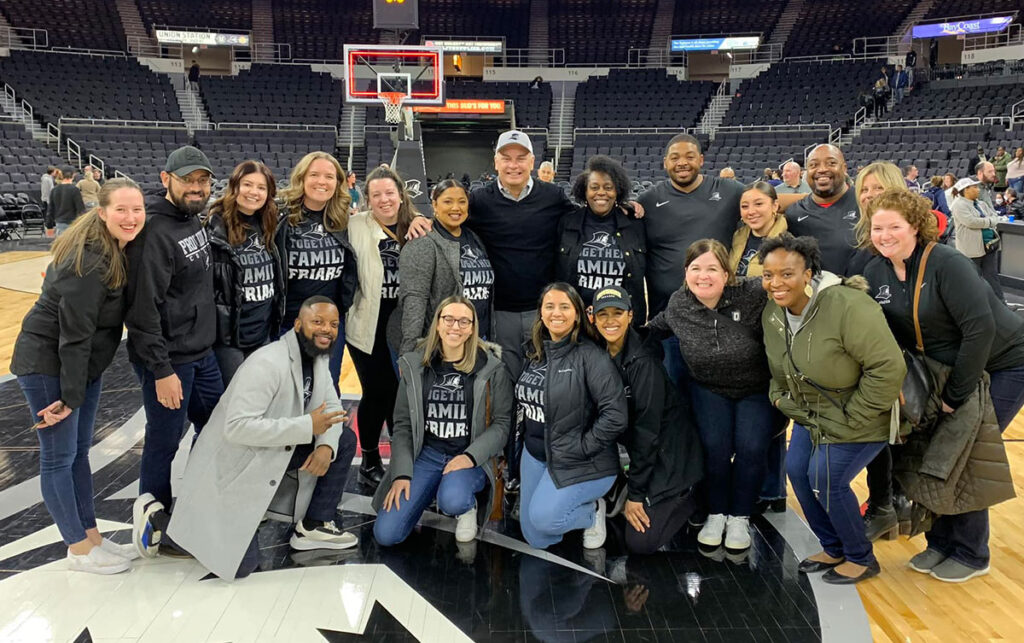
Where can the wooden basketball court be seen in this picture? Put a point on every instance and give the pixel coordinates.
(903, 605)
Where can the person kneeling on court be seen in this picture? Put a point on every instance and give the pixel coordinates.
(452, 419)
(279, 413)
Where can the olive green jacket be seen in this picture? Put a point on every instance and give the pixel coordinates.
(845, 347)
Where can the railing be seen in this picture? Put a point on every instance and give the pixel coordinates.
(28, 115)
(23, 38)
(1016, 113)
(618, 131)
(97, 162)
(147, 47)
(120, 174)
(85, 51)
(514, 57)
(766, 53)
(1010, 37)
(834, 135)
(817, 59)
(281, 127)
(115, 122)
(53, 134)
(264, 52)
(10, 98)
(926, 122)
(644, 57)
(859, 117)
(878, 46)
(785, 127)
(73, 151)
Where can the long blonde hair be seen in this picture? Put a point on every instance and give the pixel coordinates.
(891, 179)
(336, 214)
(431, 344)
(89, 230)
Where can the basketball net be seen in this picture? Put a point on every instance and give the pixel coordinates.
(393, 106)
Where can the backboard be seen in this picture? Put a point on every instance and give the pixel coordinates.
(372, 69)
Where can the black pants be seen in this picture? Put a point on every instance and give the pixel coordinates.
(229, 359)
(988, 267)
(378, 377)
(880, 481)
(667, 518)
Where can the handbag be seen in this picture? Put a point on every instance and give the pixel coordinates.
(918, 386)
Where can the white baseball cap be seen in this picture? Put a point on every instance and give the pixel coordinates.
(965, 183)
(514, 137)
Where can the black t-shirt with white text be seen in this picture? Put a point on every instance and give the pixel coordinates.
(258, 291)
(389, 250)
(477, 281)
(447, 415)
(601, 262)
(530, 408)
(316, 261)
(749, 252)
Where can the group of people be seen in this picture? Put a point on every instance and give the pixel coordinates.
(64, 199)
(519, 338)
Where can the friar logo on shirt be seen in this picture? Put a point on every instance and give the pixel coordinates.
(884, 296)
(451, 382)
(469, 253)
(390, 249)
(255, 245)
(850, 216)
(412, 186)
(314, 233)
(599, 240)
(715, 196)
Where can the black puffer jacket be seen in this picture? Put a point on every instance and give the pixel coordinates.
(227, 283)
(665, 457)
(584, 411)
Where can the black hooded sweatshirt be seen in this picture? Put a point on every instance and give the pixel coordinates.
(171, 315)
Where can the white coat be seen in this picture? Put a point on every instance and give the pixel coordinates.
(243, 452)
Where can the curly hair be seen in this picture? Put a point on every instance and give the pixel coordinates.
(916, 210)
(608, 166)
(806, 247)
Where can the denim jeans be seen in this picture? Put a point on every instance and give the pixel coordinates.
(735, 435)
(1017, 185)
(547, 512)
(201, 387)
(64, 472)
(964, 537)
(821, 481)
(336, 356)
(329, 487)
(455, 493)
(774, 485)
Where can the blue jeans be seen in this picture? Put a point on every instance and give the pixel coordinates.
(1017, 185)
(676, 368)
(821, 481)
(547, 512)
(329, 487)
(964, 537)
(336, 356)
(735, 435)
(64, 472)
(201, 387)
(455, 493)
(774, 485)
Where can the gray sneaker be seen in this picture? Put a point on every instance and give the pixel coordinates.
(950, 571)
(926, 561)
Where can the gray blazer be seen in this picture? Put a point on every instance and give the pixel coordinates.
(243, 452)
(430, 272)
(488, 430)
(969, 225)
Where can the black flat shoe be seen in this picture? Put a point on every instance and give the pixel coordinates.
(808, 566)
(835, 578)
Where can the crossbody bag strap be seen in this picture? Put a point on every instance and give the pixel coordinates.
(803, 378)
(917, 296)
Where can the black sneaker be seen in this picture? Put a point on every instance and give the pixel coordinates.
(615, 499)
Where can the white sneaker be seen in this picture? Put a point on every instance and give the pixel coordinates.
(98, 561)
(737, 532)
(144, 536)
(128, 552)
(711, 533)
(465, 526)
(324, 536)
(594, 535)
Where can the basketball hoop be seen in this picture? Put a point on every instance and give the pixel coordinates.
(393, 106)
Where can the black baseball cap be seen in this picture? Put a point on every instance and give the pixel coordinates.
(612, 297)
(186, 160)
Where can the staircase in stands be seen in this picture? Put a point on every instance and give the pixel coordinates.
(538, 32)
(262, 29)
(914, 17)
(139, 42)
(352, 131)
(6, 26)
(713, 116)
(191, 103)
(787, 19)
(661, 34)
(560, 125)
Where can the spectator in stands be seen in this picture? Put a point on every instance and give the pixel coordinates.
(450, 260)
(910, 174)
(355, 193)
(841, 398)
(67, 340)
(573, 409)
(313, 243)
(999, 163)
(717, 322)
(546, 172)
(933, 52)
(536, 82)
(452, 418)
(900, 82)
(775, 178)
(97, 175)
(599, 245)
(65, 202)
(986, 176)
(89, 187)
(880, 94)
(937, 196)
(830, 212)
(1015, 171)
(665, 458)
(46, 184)
(792, 180)
(193, 75)
(976, 235)
(377, 235)
(948, 181)
(1013, 204)
(979, 157)
(727, 173)
(171, 318)
(280, 414)
(248, 282)
(963, 326)
(910, 61)
(759, 212)
(687, 206)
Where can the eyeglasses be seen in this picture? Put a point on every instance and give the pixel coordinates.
(463, 322)
(204, 182)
